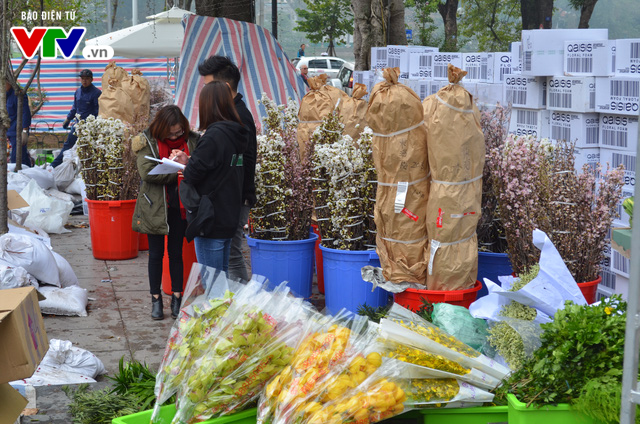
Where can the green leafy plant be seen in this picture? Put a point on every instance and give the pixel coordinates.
(582, 343)
(426, 309)
(374, 314)
(99, 406)
(601, 399)
(135, 378)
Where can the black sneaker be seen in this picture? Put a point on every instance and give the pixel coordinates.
(175, 306)
(156, 308)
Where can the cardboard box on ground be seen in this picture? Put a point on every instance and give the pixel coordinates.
(23, 344)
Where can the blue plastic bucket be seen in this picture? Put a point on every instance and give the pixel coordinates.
(279, 261)
(492, 265)
(343, 283)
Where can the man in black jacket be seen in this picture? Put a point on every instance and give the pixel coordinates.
(221, 68)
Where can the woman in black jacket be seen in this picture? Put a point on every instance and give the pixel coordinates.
(215, 170)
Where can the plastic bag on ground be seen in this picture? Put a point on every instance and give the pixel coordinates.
(17, 181)
(41, 176)
(46, 212)
(69, 301)
(75, 187)
(34, 232)
(12, 277)
(64, 174)
(32, 255)
(458, 322)
(67, 276)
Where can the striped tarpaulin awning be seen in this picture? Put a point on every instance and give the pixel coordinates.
(264, 67)
(59, 77)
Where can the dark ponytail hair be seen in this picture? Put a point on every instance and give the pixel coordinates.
(216, 104)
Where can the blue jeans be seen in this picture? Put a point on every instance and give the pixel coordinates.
(26, 159)
(71, 141)
(213, 252)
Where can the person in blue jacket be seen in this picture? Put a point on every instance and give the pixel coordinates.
(85, 103)
(12, 133)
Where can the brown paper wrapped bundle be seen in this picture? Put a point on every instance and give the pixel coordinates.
(113, 72)
(116, 103)
(456, 159)
(353, 111)
(138, 89)
(400, 156)
(315, 105)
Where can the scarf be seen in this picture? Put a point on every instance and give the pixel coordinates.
(164, 150)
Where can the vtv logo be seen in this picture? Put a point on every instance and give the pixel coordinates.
(49, 39)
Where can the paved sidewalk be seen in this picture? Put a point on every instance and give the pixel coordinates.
(119, 320)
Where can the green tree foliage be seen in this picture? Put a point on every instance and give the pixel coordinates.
(493, 23)
(426, 27)
(329, 20)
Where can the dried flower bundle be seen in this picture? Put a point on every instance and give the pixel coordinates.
(107, 162)
(283, 179)
(491, 237)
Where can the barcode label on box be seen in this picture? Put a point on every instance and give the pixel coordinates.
(560, 100)
(517, 96)
(608, 279)
(527, 60)
(635, 51)
(592, 136)
(615, 138)
(423, 91)
(625, 88)
(560, 133)
(440, 71)
(394, 62)
(381, 54)
(425, 60)
(527, 117)
(592, 100)
(629, 162)
(503, 72)
(619, 264)
(579, 64)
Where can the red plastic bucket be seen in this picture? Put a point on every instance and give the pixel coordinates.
(188, 259)
(589, 289)
(411, 298)
(144, 243)
(319, 266)
(111, 235)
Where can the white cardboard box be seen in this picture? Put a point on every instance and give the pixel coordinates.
(479, 66)
(403, 57)
(617, 157)
(543, 49)
(628, 57)
(516, 57)
(588, 58)
(619, 264)
(379, 58)
(618, 95)
(571, 94)
(441, 62)
(502, 66)
(489, 94)
(422, 87)
(619, 132)
(623, 217)
(587, 156)
(436, 85)
(534, 122)
(611, 284)
(581, 128)
(363, 77)
(525, 92)
(421, 66)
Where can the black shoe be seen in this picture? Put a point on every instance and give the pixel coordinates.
(175, 306)
(156, 308)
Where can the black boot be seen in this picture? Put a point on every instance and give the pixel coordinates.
(156, 308)
(175, 306)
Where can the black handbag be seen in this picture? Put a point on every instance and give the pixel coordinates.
(200, 212)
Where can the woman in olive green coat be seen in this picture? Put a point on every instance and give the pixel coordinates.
(158, 211)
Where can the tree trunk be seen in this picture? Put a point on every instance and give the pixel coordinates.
(5, 56)
(362, 34)
(20, 97)
(240, 10)
(113, 13)
(448, 11)
(397, 31)
(535, 12)
(585, 13)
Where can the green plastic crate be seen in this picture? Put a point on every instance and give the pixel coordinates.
(561, 414)
(246, 417)
(167, 412)
(475, 415)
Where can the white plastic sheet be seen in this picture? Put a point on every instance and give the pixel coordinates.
(43, 177)
(64, 174)
(32, 255)
(13, 277)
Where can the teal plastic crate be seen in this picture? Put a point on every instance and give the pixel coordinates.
(475, 415)
(167, 413)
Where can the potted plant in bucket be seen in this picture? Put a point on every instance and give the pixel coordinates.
(537, 186)
(282, 246)
(108, 167)
(344, 184)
